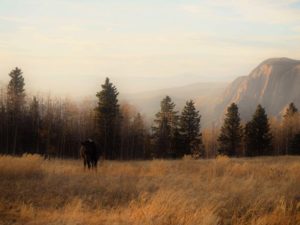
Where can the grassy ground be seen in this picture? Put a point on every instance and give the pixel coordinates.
(221, 191)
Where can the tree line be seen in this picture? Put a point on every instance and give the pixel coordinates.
(54, 127)
(260, 135)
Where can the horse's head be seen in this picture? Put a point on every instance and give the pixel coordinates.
(85, 143)
(89, 143)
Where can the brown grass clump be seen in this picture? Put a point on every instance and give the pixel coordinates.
(209, 192)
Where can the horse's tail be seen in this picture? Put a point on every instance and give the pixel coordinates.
(82, 152)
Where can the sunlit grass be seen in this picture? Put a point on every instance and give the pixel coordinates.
(220, 191)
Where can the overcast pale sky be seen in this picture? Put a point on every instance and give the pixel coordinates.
(69, 47)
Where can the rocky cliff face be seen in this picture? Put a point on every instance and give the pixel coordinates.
(273, 84)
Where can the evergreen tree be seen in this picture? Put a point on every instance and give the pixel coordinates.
(289, 125)
(108, 120)
(190, 130)
(16, 92)
(15, 105)
(257, 134)
(231, 132)
(290, 111)
(165, 129)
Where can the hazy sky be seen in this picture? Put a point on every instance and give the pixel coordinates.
(71, 46)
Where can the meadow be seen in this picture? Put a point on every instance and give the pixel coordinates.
(220, 191)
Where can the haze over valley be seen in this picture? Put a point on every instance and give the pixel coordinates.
(274, 83)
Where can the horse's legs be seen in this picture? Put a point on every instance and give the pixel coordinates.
(95, 165)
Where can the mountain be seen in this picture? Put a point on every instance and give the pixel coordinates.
(274, 83)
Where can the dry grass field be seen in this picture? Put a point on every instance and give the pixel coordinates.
(220, 191)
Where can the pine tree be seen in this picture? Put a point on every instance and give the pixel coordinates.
(108, 120)
(16, 92)
(231, 132)
(165, 129)
(190, 130)
(289, 125)
(15, 105)
(257, 134)
(290, 111)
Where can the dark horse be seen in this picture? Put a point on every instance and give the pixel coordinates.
(89, 154)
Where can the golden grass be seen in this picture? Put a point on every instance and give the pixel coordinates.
(221, 191)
